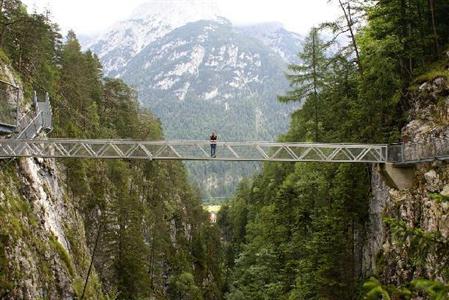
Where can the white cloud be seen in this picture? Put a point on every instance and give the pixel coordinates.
(296, 15)
(90, 16)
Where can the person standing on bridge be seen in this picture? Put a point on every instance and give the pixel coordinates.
(213, 144)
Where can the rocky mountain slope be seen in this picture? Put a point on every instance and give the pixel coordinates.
(43, 250)
(408, 228)
(147, 23)
(206, 76)
(197, 72)
(273, 35)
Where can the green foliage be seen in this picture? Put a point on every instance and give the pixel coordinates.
(150, 221)
(436, 71)
(63, 254)
(291, 233)
(374, 290)
(438, 197)
(420, 245)
(308, 78)
(435, 290)
(4, 58)
(5, 283)
(184, 287)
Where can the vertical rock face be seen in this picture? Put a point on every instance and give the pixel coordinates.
(43, 254)
(375, 228)
(409, 229)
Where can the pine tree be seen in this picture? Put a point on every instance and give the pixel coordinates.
(308, 78)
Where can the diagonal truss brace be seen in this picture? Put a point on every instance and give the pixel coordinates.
(193, 150)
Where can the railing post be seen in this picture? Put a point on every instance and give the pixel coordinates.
(35, 101)
(18, 107)
(402, 152)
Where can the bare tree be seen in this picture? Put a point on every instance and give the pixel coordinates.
(351, 20)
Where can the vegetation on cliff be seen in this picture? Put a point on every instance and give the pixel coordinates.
(154, 239)
(296, 232)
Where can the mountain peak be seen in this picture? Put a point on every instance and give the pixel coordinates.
(185, 10)
(149, 22)
(268, 26)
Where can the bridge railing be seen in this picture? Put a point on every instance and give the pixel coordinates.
(395, 153)
(425, 151)
(31, 124)
(194, 150)
(9, 106)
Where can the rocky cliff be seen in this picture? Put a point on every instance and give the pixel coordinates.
(43, 251)
(409, 229)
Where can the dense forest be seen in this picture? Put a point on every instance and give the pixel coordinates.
(295, 231)
(144, 223)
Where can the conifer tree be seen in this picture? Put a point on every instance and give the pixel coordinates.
(308, 78)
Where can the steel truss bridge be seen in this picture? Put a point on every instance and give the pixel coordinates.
(24, 141)
(193, 150)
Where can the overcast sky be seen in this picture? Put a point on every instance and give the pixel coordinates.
(93, 16)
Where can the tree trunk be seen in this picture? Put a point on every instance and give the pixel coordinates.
(2, 22)
(350, 24)
(421, 29)
(434, 26)
(315, 81)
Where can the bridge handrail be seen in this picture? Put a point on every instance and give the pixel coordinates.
(11, 119)
(33, 122)
(222, 143)
(193, 150)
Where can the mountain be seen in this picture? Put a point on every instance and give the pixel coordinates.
(206, 75)
(273, 35)
(203, 75)
(147, 23)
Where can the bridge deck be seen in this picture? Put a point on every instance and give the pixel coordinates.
(194, 150)
(30, 125)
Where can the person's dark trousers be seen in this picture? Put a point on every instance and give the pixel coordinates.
(213, 149)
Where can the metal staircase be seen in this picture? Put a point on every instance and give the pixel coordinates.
(34, 122)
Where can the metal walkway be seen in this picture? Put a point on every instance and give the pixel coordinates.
(194, 150)
(33, 123)
(24, 144)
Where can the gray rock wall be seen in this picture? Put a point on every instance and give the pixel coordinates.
(408, 230)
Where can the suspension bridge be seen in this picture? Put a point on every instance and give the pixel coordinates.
(23, 141)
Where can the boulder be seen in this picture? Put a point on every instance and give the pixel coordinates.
(432, 181)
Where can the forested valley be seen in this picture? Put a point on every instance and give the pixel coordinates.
(151, 237)
(297, 231)
(294, 231)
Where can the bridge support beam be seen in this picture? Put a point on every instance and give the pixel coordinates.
(401, 178)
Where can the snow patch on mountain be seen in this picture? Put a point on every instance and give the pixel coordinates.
(181, 93)
(178, 12)
(285, 43)
(148, 23)
(196, 58)
(211, 95)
